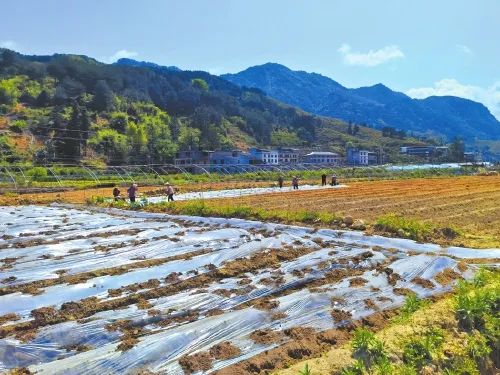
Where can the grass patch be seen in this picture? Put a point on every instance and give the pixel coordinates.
(404, 227)
(457, 335)
(203, 208)
(412, 304)
(414, 229)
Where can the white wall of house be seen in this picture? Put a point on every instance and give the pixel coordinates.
(270, 157)
(363, 157)
(287, 157)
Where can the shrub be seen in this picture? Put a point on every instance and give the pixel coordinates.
(480, 278)
(367, 347)
(415, 354)
(18, 126)
(99, 200)
(307, 216)
(477, 346)
(357, 368)
(306, 370)
(461, 366)
(37, 173)
(471, 308)
(384, 367)
(411, 305)
(433, 339)
(195, 208)
(405, 370)
(239, 211)
(419, 351)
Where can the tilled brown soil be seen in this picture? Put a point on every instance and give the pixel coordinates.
(35, 287)
(89, 306)
(254, 285)
(468, 203)
(302, 344)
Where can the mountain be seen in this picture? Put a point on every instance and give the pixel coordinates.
(70, 108)
(145, 64)
(376, 105)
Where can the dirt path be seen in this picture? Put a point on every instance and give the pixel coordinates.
(81, 196)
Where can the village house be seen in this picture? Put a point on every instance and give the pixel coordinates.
(356, 156)
(187, 158)
(288, 156)
(422, 151)
(322, 157)
(265, 156)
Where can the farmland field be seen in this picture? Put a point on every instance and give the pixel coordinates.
(470, 204)
(111, 291)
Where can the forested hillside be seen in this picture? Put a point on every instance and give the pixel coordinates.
(378, 105)
(68, 108)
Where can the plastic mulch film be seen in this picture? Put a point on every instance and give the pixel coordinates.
(195, 289)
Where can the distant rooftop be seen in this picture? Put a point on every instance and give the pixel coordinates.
(322, 153)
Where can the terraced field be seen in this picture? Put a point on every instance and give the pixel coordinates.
(114, 292)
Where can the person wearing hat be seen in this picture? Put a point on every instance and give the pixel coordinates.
(170, 192)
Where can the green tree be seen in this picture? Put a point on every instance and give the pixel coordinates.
(43, 99)
(119, 121)
(355, 129)
(103, 97)
(138, 141)
(8, 151)
(112, 144)
(200, 84)
(8, 58)
(283, 137)
(160, 146)
(457, 149)
(189, 138)
(212, 138)
(9, 92)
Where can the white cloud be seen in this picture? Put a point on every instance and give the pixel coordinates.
(489, 96)
(121, 54)
(371, 58)
(10, 44)
(464, 49)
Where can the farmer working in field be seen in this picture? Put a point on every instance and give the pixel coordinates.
(323, 179)
(116, 194)
(334, 180)
(132, 192)
(295, 183)
(280, 181)
(170, 192)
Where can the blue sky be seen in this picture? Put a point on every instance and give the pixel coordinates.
(423, 47)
